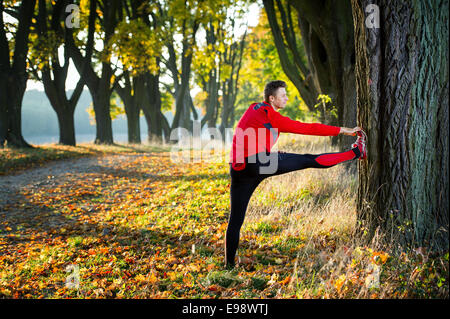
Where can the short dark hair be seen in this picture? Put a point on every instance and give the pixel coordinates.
(272, 87)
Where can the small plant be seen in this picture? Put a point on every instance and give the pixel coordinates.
(258, 283)
(327, 112)
(222, 278)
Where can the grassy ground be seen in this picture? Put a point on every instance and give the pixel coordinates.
(148, 227)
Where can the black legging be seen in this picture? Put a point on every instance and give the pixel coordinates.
(244, 183)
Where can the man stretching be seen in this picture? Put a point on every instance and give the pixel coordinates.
(251, 160)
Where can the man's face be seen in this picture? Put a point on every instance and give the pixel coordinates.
(280, 98)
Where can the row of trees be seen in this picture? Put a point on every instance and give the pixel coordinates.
(128, 47)
(122, 46)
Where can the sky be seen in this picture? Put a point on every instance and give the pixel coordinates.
(72, 77)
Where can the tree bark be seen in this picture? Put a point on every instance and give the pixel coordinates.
(141, 91)
(402, 97)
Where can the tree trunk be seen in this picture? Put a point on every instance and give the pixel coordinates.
(153, 110)
(3, 109)
(15, 90)
(226, 109)
(212, 89)
(101, 102)
(183, 100)
(402, 97)
(130, 98)
(66, 128)
(132, 112)
(63, 107)
(285, 42)
(133, 125)
(182, 109)
(13, 77)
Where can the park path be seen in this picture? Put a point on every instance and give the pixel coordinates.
(54, 173)
(15, 209)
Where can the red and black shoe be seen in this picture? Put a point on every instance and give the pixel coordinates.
(361, 144)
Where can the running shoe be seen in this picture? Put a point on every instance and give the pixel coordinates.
(361, 144)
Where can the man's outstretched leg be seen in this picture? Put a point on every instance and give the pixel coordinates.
(289, 162)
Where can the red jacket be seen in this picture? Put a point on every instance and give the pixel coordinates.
(258, 130)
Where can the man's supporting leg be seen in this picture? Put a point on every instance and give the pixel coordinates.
(240, 193)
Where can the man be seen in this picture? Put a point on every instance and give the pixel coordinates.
(251, 160)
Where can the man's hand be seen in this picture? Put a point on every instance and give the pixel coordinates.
(350, 131)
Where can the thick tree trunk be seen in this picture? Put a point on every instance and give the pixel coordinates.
(402, 97)
(132, 112)
(15, 90)
(153, 110)
(13, 78)
(66, 128)
(3, 109)
(133, 125)
(63, 107)
(101, 102)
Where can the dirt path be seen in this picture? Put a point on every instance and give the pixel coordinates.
(16, 211)
(53, 173)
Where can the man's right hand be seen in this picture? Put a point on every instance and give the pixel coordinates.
(350, 131)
